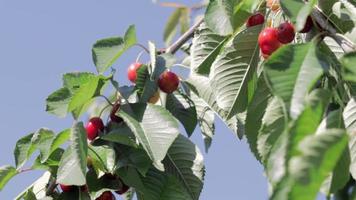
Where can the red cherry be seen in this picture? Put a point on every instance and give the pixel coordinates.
(308, 25)
(123, 189)
(168, 82)
(132, 71)
(113, 115)
(93, 127)
(268, 41)
(286, 33)
(106, 196)
(66, 188)
(255, 19)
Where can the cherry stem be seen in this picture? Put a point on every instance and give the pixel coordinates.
(139, 55)
(102, 111)
(107, 100)
(143, 47)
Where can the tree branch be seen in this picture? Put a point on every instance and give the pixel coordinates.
(326, 25)
(183, 39)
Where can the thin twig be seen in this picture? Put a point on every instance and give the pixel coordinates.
(183, 39)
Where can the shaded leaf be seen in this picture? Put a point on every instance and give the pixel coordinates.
(183, 109)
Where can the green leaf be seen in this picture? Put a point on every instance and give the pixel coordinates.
(309, 120)
(227, 16)
(107, 51)
(183, 109)
(57, 102)
(197, 84)
(206, 118)
(171, 26)
(145, 87)
(255, 112)
(84, 94)
(298, 11)
(122, 135)
(134, 157)
(206, 46)
(340, 175)
(184, 20)
(43, 139)
(320, 154)
(292, 71)
(233, 72)
(30, 195)
(129, 195)
(131, 177)
(219, 16)
(83, 97)
(244, 9)
(23, 150)
(103, 157)
(276, 163)
(156, 137)
(349, 116)
(130, 36)
(348, 62)
(74, 80)
(184, 174)
(72, 167)
(6, 173)
(60, 139)
(97, 185)
(274, 123)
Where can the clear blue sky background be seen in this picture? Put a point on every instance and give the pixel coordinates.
(41, 39)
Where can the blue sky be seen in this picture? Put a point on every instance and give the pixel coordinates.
(41, 39)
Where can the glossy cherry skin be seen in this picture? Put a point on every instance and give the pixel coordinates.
(66, 188)
(132, 71)
(168, 82)
(255, 19)
(106, 196)
(94, 126)
(268, 41)
(286, 33)
(308, 25)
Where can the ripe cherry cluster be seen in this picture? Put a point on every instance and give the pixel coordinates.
(270, 39)
(168, 81)
(94, 127)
